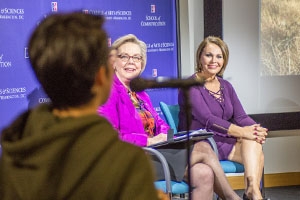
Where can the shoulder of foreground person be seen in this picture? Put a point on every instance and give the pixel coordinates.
(123, 172)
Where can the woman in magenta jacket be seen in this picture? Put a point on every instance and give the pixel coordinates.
(133, 115)
(120, 111)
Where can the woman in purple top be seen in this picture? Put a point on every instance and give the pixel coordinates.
(216, 107)
(133, 115)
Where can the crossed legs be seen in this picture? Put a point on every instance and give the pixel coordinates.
(203, 153)
(202, 181)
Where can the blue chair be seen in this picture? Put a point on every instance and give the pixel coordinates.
(171, 112)
(168, 186)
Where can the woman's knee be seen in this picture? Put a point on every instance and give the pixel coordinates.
(202, 173)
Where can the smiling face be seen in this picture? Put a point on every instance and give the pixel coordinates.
(211, 60)
(128, 70)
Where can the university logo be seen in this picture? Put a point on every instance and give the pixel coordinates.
(109, 41)
(152, 8)
(54, 6)
(154, 72)
(26, 54)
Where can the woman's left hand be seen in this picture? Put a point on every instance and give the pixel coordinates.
(259, 133)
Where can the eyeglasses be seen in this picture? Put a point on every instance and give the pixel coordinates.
(126, 57)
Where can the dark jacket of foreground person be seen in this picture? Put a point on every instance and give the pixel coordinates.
(46, 157)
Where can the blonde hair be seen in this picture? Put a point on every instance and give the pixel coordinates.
(220, 43)
(133, 39)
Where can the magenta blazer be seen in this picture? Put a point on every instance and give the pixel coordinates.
(120, 111)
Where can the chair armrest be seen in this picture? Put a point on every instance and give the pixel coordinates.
(165, 166)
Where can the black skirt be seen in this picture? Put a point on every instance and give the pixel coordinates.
(176, 156)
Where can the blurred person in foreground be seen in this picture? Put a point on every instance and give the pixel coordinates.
(216, 107)
(134, 116)
(65, 150)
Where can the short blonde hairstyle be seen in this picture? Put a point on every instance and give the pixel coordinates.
(133, 39)
(220, 43)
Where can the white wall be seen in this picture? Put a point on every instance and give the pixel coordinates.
(241, 33)
(282, 153)
(191, 31)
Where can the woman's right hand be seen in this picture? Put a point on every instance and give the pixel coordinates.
(254, 132)
(158, 138)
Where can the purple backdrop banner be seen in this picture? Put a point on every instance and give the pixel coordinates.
(153, 21)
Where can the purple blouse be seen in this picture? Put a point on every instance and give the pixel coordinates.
(215, 116)
(120, 111)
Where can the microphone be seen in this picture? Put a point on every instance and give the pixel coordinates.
(140, 84)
